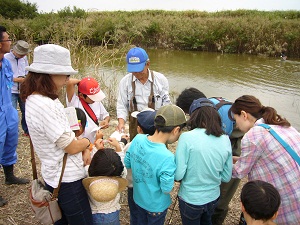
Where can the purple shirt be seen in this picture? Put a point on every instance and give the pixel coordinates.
(264, 158)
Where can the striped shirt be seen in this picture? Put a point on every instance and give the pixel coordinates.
(47, 122)
(264, 158)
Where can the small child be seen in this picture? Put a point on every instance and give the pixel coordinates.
(145, 125)
(104, 185)
(153, 165)
(260, 201)
(89, 100)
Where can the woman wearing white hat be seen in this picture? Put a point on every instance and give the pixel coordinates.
(51, 134)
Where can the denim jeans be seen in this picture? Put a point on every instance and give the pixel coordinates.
(74, 204)
(132, 207)
(150, 218)
(15, 98)
(107, 219)
(196, 214)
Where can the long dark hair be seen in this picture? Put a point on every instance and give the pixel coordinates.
(40, 83)
(206, 117)
(252, 105)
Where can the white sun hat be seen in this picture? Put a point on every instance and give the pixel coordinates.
(51, 59)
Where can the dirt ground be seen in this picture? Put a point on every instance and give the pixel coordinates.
(18, 211)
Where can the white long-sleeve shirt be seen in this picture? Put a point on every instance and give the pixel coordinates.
(142, 92)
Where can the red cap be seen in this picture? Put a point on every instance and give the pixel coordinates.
(90, 87)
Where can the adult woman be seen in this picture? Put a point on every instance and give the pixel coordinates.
(264, 158)
(203, 160)
(51, 134)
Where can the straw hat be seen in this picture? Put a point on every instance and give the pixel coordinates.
(103, 188)
(51, 59)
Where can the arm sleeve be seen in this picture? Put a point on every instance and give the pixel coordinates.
(127, 161)
(65, 139)
(165, 92)
(249, 156)
(167, 175)
(122, 101)
(227, 171)
(181, 158)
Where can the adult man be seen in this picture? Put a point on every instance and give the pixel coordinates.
(227, 190)
(18, 60)
(8, 117)
(140, 89)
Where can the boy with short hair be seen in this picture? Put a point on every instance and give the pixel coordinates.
(89, 100)
(145, 125)
(260, 202)
(153, 165)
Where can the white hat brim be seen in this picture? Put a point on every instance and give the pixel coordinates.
(51, 69)
(97, 97)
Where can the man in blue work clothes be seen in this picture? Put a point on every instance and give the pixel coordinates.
(8, 117)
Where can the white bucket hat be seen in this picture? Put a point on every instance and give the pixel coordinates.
(51, 59)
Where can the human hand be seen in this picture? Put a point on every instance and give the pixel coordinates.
(73, 81)
(235, 159)
(125, 136)
(113, 142)
(86, 157)
(104, 124)
(99, 143)
(99, 134)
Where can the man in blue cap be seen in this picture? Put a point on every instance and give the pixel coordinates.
(140, 89)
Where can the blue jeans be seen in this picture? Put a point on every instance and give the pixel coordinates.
(196, 214)
(15, 98)
(132, 207)
(150, 218)
(74, 204)
(107, 219)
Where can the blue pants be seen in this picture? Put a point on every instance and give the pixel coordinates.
(150, 218)
(8, 135)
(132, 207)
(196, 214)
(15, 98)
(107, 219)
(74, 204)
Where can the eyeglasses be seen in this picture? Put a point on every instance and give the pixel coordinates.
(6, 40)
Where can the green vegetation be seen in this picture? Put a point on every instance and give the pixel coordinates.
(240, 31)
(13, 9)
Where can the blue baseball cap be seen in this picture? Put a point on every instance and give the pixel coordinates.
(200, 102)
(136, 60)
(145, 118)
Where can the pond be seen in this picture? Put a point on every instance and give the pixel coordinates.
(276, 83)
